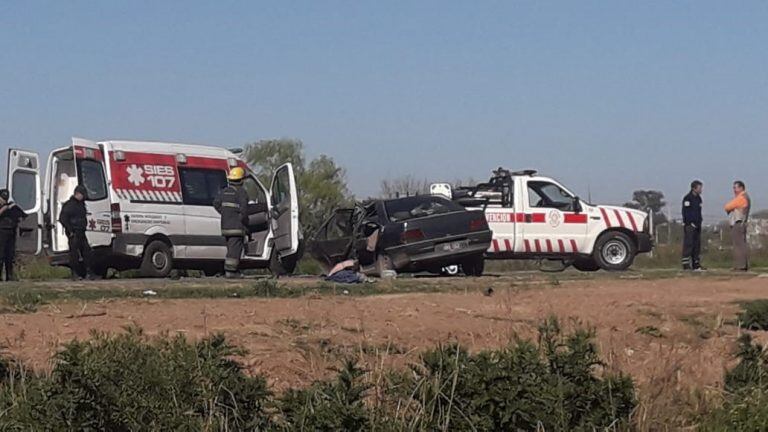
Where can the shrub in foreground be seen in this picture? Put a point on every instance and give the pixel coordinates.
(130, 382)
(754, 315)
(745, 407)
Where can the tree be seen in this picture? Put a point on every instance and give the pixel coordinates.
(649, 201)
(322, 185)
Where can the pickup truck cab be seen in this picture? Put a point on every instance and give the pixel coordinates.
(536, 217)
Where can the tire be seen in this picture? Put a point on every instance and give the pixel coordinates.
(383, 263)
(474, 266)
(100, 271)
(211, 272)
(614, 251)
(586, 265)
(157, 261)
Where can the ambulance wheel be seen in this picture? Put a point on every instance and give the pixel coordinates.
(614, 251)
(586, 265)
(157, 261)
(474, 266)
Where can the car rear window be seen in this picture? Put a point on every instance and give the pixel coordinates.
(404, 209)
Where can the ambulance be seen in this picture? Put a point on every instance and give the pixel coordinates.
(150, 206)
(536, 217)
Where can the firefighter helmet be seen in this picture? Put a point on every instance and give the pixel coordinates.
(236, 174)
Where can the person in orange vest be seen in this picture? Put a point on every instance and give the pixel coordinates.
(738, 216)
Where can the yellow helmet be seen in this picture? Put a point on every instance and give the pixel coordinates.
(236, 174)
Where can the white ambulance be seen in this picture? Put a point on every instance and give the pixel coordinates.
(535, 217)
(150, 206)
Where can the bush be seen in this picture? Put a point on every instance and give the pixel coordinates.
(745, 407)
(754, 315)
(551, 385)
(130, 383)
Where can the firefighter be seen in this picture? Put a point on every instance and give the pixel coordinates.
(232, 204)
(10, 214)
(74, 219)
(692, 220)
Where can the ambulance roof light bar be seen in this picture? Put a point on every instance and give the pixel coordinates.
(181, 158)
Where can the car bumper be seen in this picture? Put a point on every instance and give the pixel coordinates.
(644, 242)
(421, 255)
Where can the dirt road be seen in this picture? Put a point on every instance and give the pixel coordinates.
(667, 333)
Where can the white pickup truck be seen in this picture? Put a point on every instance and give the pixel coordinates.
(535, 217)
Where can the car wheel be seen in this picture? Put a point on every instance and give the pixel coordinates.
(474, 266)
(383, 264)
(586, 265)
(614, 251)
(157, 260)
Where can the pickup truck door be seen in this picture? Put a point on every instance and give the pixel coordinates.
(24, 187)
(553, 221)
(91, 173)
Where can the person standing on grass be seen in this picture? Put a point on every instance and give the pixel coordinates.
(74, 219)
(10, 215)
(232, 205)
(738, 216)
(692, 220)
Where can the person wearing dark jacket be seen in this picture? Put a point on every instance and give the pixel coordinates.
(10, 214)
(692, 220)
(232, 204)
(74, 219)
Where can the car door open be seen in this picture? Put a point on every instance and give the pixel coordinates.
(285, 212)
(24, 187)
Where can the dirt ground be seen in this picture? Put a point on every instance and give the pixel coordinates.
(669, 334)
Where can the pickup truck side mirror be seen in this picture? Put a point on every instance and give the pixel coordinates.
(577, 205)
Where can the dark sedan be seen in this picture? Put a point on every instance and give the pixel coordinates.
(412, 234)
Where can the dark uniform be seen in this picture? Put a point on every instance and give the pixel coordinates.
(692, 220)
(9, 222)
(232, 204)
(74, 219)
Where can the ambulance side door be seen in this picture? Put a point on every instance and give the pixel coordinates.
(24, 187)
(285, 211)
(89, 161)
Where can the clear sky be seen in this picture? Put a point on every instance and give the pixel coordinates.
(611, 95)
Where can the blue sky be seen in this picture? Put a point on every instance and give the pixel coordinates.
(613, 96)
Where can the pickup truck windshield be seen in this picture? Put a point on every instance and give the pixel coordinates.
(403, 209)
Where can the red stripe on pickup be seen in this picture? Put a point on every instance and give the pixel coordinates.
(538, 245)
(508, 245)
(527, 245)
(605, 217)
(561, 244)
(549, 245)
(618, 216)
(573, 246)
(538, 218)
(572, 218)
(495, 245)
(632, 220)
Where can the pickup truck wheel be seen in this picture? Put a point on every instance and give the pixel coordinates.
(586, 265)
(614, 251)
(157, 261)
(474, 266)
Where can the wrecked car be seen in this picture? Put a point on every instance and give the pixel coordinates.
(411, 234)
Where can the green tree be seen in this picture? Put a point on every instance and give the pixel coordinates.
(322, 184)
(649, 201)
